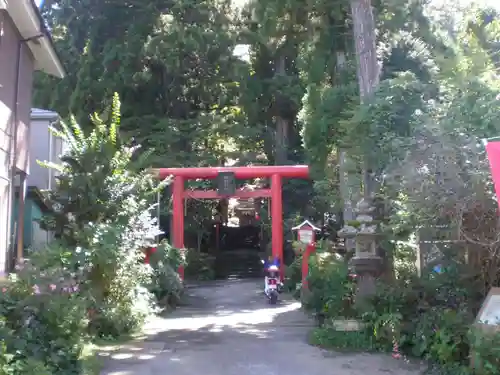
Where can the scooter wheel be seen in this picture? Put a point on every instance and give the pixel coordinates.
(273, 299)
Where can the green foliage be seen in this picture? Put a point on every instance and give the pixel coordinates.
(323, 114)
(102, 209)
(99, 179)
(378, 124)
(329, 338)
(332, 287)
(43, 321)
(429, 318)
(484, 350)
(171, 64)
(199, 266)
(93, 281)
(166, 284)
(422, 320)
(293, 276)
(188, 97)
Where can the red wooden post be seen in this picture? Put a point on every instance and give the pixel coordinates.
(493, 153)
(277, 221)
(178, 217)
(307, 236)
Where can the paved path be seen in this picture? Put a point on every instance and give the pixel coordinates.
(228, 328)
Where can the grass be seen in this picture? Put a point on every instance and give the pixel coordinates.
(329, 338)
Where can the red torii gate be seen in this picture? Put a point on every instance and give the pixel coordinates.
(276, 173)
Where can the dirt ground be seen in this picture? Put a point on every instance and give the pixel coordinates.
(228, 328)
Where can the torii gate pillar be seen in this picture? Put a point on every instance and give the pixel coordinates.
(178, 216)
(277, 220)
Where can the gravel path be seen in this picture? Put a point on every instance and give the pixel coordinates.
(227, 328)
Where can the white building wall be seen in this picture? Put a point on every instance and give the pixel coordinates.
(44, 146)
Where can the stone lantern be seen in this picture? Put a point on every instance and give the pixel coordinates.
(366, 261)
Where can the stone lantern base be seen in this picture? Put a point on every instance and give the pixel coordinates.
(367, 269)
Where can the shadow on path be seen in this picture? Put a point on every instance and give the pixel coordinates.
(229, 328)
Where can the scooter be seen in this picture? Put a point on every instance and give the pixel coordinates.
(273, 284)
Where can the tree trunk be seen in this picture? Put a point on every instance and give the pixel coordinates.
(199, 240)
(366, 53)
(281, 123)
(344, 178)
(368, 67)
(367, 268)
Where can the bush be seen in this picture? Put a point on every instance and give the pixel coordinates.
(199, 266)
(293, 277)
(102, 209)
(93, 280)
(327, 337)
(117, 279)
(429, 318)
(331, 288)
(485, 351)
(166, 284)
(43, 323)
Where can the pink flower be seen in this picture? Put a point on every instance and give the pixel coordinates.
(52, 287)
(75, 288)
(65, 289)
(395, 351)
(4, 290)
(36, 289)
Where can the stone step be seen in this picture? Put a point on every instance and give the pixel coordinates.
(239, 264)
